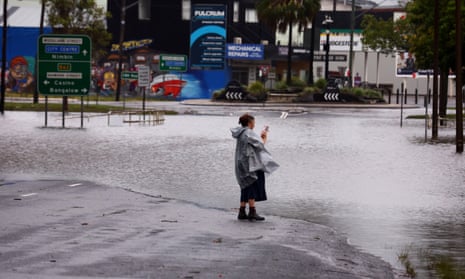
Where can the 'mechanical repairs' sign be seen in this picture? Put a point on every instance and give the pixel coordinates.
(244, 51)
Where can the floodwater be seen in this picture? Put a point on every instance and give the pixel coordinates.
(356, 171)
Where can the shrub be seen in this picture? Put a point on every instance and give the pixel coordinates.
(370, 93)
(358, 92)
(258, 91)
(311, 90)
(297, 83)
(256, 88)
(281, 85)
(321, 83)
(218, 93)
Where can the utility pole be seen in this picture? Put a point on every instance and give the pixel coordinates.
(120, 51)
(435, 70)
(289, 57)
(351, 46)
(41, 31)
(458, 77)
(5, 28)
(312, 52)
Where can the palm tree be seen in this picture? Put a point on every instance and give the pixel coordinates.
(283, 14)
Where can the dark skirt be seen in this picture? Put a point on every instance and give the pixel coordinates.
(256, 190)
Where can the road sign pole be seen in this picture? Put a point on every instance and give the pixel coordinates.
(46, 110)
(63, 113)
(143, 102)
(82, 112)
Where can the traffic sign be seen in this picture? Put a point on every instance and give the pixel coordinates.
(144, 76)
(126, 75)
(64, 64)
(173, 62)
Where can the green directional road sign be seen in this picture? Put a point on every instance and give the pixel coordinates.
(173, 62)
(127, 75)
(64, 65)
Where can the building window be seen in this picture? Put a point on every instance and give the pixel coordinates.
(251, 16)
(319, 72)
(236, 11)
(186, 9)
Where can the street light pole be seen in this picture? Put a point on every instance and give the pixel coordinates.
(327, 54)
(120, 50)
(327, 22)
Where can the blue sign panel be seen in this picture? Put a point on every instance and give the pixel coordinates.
(208, 37)
(62, 49)
(244, 51)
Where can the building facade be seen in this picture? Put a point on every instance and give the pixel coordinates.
(169, 29)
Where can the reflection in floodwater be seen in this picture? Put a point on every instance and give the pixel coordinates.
(355, 171)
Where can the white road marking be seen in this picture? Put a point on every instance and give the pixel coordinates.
(74, 185)
(28, 195)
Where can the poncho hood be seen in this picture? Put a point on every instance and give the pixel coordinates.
(237, 131)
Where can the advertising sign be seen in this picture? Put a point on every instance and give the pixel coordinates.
(406, 67)
(208, 37)
(405, 64)
(64, 65)
(244, 51)
(339, 40)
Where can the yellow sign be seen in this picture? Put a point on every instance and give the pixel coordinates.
(131, 45)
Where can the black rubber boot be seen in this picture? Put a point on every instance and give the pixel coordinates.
(253, 216)
(242, 215)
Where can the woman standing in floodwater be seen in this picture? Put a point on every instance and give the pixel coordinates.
(252, 160)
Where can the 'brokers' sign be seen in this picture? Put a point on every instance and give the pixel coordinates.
(208, 37)
(244, 51)
(64, 65)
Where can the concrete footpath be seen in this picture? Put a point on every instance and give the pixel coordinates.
(77, 229)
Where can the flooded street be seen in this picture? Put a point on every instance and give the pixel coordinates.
(356, 171)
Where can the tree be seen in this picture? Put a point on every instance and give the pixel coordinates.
(383, 36)
(80, 17)
(421, 19)
(282, 15)
(380, 35)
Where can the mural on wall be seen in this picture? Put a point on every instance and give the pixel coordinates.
(19, 77)
(109, 83)
(164, 85)
(20, 52)
(190, 85)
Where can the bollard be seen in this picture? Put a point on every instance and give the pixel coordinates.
(397, 98)
(405, 96)
(389, 98)
(402, 93)
(429, 96)
(416, 96)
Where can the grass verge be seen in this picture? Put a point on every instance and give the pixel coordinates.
(71, 108)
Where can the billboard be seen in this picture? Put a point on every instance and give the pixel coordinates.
(244, 51)
(339, 40)
(405, 64)
(208, 37)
